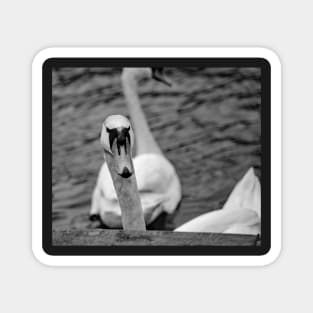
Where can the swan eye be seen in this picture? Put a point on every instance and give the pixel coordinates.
(108, 130)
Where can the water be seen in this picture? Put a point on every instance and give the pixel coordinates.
(207, 124)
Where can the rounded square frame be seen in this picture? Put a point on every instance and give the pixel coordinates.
(213, 260)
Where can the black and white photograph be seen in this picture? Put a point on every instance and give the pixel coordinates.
(156, 156)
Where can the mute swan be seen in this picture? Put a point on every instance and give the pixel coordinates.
(158, 184)
(241, 214)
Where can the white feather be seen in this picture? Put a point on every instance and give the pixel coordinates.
(240, 214)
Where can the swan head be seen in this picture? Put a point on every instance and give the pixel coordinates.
(117, 140)
(137, 74)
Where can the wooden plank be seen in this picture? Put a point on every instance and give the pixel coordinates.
(104, 237)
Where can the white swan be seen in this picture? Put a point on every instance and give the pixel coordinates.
(158, 184)
(241, 213)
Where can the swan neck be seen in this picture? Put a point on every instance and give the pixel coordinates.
(145, 141)
(128, 198)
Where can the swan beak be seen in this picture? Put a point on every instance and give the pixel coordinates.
(157, 74)
(122, 158)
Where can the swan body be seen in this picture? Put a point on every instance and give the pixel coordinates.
(241, 214)
(157, 181)
(158, 187)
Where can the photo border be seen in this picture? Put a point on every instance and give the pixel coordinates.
(156, 57)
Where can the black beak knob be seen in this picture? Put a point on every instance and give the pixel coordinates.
(126, 173)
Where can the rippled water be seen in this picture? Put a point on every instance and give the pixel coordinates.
(207, 124)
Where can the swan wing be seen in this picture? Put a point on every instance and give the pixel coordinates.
(222, 221)
(152, 205)
(105, 183)
(240, 214)
(157, 181)
(246, 194)
(153, 172)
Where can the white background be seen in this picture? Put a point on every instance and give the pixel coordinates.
(29, 26)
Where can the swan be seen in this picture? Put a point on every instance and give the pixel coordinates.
(241, 214)
(149, 175)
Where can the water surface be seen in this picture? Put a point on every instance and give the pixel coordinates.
(207, 124)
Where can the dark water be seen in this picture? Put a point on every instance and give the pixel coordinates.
(207, 124)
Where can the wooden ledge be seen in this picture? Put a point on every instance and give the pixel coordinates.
(105, 237)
